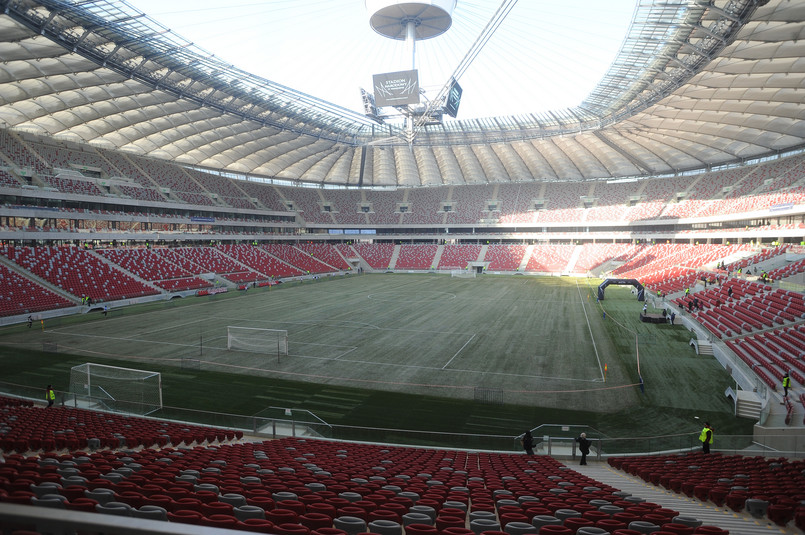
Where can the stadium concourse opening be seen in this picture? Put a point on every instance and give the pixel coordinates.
(641, 292)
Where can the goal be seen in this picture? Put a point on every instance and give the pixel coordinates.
(270, 341)
(463, 273)
(115, 388)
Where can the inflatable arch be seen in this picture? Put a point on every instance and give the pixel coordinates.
(641, 292)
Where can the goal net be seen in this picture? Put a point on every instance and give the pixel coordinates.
(270, 341)
(117, 389)
(463, 273)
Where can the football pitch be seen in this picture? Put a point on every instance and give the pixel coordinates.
(540, 343)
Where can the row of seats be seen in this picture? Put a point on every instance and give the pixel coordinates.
(27, 428)
(772, 488)
(299, 486)
(512, 202)
(80, 272)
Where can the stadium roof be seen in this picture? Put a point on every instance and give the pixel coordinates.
(697, 84)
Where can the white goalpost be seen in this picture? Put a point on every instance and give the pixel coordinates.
(463, 273)
(270, 341)
(116, 388)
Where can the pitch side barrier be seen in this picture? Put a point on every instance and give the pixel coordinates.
(641, 292)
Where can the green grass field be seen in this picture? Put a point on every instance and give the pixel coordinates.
(405, 351)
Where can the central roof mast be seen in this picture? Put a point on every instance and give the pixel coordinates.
(408, 21)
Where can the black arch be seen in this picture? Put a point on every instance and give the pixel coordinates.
(641, 292)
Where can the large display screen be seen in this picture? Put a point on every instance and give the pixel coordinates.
(396, 88)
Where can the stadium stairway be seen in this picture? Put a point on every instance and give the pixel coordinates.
(524, 262)
(711, 515)
(394, 257)
(574, 257)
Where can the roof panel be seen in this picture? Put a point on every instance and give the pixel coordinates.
(691, 88)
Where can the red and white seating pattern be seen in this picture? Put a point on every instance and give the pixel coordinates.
(309, 203)
(297, 485)
(550, 257)
(264, 193)
(211, 260)
(594, 254)
(259, 260)
(301, 261)
(502, 257)
(416, 257)
(425, 204)
(78, 272)
(19, 295)
(377, 255)
(384, 207)
(141, 193)
(38, 429)
(457, 256)
(151, 266)
(722, 480)
(324, 252)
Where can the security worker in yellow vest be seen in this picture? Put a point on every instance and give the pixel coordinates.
(706, 437)
(50, 396)
(786, 384)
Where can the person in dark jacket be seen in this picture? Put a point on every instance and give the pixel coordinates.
(584, 447)
(528, 443)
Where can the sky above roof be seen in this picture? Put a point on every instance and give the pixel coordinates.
(544, 56)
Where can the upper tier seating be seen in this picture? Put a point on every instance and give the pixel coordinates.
(308, 202)
(264, 193)
(20, 154)
(516, 201)
(141, 193)
(471, 203)
(19, 295)
(78, 272)
(71, 185)
(384, 207)
(346, 204)
(69, 158)
(752, 188)
(426, 206)
(8, 180)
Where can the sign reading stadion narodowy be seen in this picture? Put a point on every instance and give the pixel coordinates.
(396, 88)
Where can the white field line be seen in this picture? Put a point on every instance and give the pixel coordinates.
(589, 328)
(457, 352)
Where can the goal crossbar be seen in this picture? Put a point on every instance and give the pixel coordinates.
(256, 340)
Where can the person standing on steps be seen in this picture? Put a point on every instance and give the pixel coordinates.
(50, 395)
(584, 447)
(706, 437)
(528, 443)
